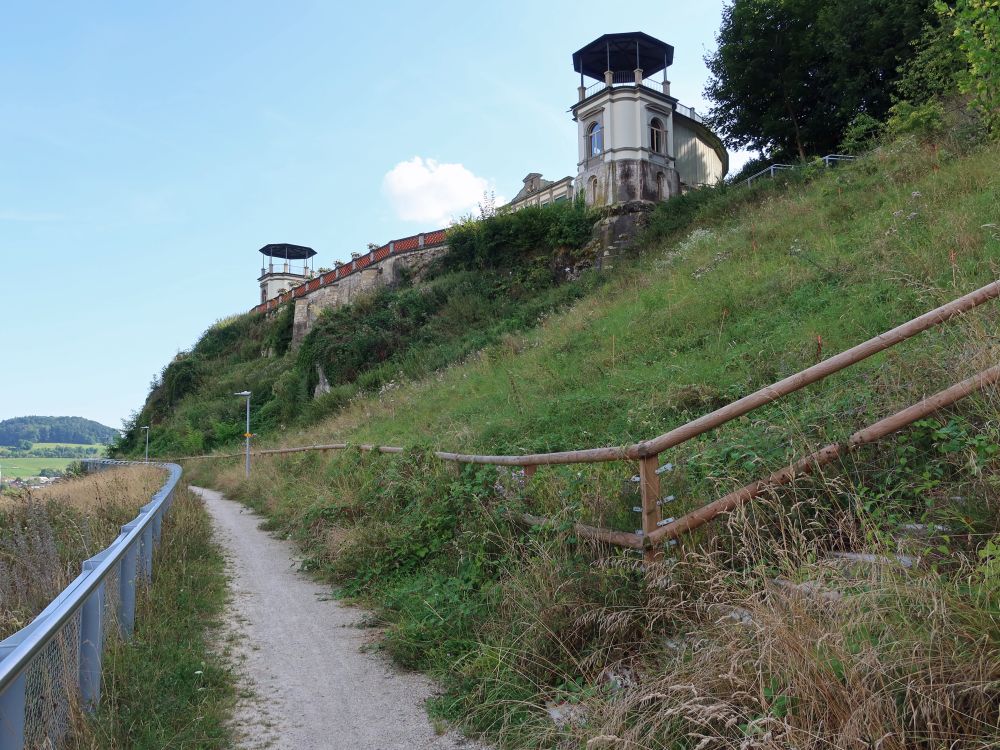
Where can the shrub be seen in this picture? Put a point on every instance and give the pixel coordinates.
(508, 238)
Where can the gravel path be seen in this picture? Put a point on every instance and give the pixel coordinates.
(299, 654)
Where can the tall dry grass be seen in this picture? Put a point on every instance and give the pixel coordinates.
(45, 534)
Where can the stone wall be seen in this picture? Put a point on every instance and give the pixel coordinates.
(388, 272)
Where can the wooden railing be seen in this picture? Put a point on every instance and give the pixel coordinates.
(647, 453)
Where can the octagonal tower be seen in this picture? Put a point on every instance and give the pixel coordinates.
(627, 125)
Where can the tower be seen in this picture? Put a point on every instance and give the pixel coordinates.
(287, 267)
(630, 128)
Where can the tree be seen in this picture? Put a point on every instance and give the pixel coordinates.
(789, 75)
(977, 28)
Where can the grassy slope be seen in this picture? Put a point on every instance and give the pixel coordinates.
(46, 533)
(728, 309)
(770, 281)
(400, 333)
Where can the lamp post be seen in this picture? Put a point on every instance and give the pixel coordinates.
(246, 395)
(147, 442)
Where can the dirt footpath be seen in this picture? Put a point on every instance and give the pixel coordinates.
(299, 653)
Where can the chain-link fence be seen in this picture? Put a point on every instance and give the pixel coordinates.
(53, 665)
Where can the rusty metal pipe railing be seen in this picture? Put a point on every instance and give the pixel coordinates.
(708, 421)
(610, 536)
(753, 401)
(647, 452)
(825, 455)
(819, 371)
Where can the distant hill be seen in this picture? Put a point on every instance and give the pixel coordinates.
(76, 430)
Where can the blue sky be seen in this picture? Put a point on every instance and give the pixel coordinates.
(147, 150)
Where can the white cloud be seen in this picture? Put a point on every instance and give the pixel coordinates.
(427, 191)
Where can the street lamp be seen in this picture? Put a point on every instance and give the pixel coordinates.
(147, 442)
(246, 395)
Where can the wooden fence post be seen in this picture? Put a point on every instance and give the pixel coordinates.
(529, 471)
(649, 486)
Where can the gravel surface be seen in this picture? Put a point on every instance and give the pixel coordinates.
(307, 682)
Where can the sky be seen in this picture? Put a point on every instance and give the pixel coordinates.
(148, 150)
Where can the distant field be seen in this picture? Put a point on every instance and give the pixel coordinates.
(100, 447)
(29, 467)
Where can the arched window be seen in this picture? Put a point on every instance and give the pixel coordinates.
(657, 136)
(593, 191)
(660, 186)
(595, 139)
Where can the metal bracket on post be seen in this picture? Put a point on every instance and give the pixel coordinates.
(649, 487)
(127, 574)
(91, 645)
(12, 709)
(146, 561)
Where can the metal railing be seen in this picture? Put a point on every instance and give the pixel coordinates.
(655, 530)
(830, 160)
(689, 113)
(627, 78)
(55, 662)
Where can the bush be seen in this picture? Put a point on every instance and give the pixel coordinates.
(508, 238)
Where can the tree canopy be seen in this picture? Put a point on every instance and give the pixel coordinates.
(76, 430)
(790, 75)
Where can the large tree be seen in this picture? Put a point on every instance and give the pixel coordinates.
(789, 75)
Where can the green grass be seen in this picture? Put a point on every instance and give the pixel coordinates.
(732, 306)
(751, 286)
(169, 688)
(30, 467)
(392, 334)
(70, 446)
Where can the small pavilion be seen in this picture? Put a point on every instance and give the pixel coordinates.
(286, 266)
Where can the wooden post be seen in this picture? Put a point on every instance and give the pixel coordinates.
(649, 486)
(529, 472)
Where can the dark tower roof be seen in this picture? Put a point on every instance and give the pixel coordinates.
(623, 52)
(288, 252)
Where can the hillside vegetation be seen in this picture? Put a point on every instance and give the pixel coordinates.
(747, 634)
(498, 279)
(76, 430)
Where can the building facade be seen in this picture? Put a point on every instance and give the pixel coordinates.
(635, 142)
(538, 191)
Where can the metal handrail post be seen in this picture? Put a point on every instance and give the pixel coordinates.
(91, 645)
(12, 710)
(146, 561)
(248, 438)
(127, 574)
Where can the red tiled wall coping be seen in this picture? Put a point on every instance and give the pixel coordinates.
(396, 247)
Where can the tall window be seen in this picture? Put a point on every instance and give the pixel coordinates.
(593, 191)
(660, 186)
(595, 139)
(657, 136)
